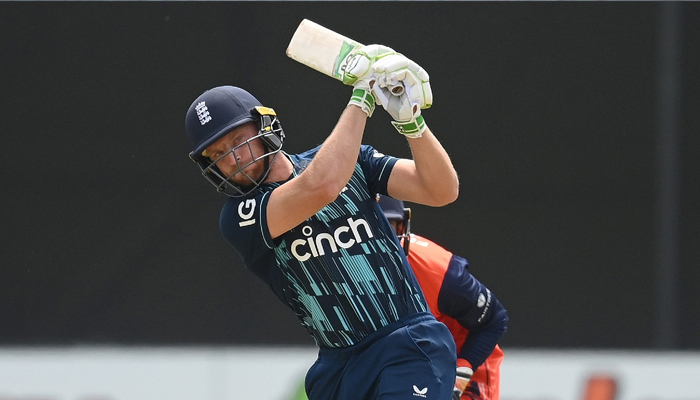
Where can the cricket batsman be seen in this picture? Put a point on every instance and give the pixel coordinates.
(309, 226)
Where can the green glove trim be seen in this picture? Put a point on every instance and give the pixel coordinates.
(363, 99)
(411, 129)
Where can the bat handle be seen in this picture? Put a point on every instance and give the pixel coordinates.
(397, 90)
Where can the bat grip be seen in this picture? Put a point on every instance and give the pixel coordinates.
(397, 90)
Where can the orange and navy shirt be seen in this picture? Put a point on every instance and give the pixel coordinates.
(474, 316)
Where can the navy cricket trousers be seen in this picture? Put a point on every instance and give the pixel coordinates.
(411, 359)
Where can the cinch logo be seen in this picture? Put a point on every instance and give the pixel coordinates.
(419, 392)
(202, 113)
(317, 245)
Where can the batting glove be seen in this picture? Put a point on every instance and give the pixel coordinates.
(395, 69)
(408, 120)
(357, 72)
(464, 375)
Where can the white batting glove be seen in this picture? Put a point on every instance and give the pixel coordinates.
(464, 375)
(393, 69)
(401, 108)
(358, 64)
(408, 120)
(358, 73)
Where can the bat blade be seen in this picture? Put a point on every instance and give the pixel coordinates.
(320, 48)
(327, 52)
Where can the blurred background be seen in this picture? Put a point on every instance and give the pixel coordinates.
(573, 126)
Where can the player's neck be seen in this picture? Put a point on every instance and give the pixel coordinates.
(281, 170)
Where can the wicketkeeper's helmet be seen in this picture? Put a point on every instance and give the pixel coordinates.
(214, 114)
(394, 210)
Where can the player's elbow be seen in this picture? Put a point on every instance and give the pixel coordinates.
(329, 193)
(317, 190)
(500, 317)
(446, 196)
(447, 190)
(452, 188)
(451, 195)
(325, 192)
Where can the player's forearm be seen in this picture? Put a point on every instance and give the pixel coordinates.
(434, 169)
(484, 335)
(335, 162)
(479, 346)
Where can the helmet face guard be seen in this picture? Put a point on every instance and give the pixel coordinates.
(217, 112)
(272, 136)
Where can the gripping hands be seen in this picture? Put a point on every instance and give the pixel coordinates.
(375, 71)
(395, 69)
(406, 108)
(358, 65)
(357, 72)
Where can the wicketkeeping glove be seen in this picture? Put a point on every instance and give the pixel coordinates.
(464, 375)
(358, 73)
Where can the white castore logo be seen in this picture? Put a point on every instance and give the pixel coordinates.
(481, 301)
(486, 303)
(420, 392)
(202, 113)
(343, 237)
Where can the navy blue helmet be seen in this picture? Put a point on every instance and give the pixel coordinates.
(214, 114)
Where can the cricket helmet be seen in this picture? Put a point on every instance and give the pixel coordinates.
(213, 115)
(394, 210)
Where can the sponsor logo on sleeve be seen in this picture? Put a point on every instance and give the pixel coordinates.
(246, 209)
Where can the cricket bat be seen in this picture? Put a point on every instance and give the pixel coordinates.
(324, 50)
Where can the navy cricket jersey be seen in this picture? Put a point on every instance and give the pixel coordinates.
(342, 271)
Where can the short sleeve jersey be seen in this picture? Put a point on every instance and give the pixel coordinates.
(341, 271)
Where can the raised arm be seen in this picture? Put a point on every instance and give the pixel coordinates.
(332, 167)
(324, 178)
(429, 178)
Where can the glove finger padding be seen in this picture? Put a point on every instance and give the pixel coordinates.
(416, 90)
(357, 71)
(395, 68)
(391, 63)
(420, 87)
(386, 68)
(358, 66)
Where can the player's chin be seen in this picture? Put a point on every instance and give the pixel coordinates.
(245, 179)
